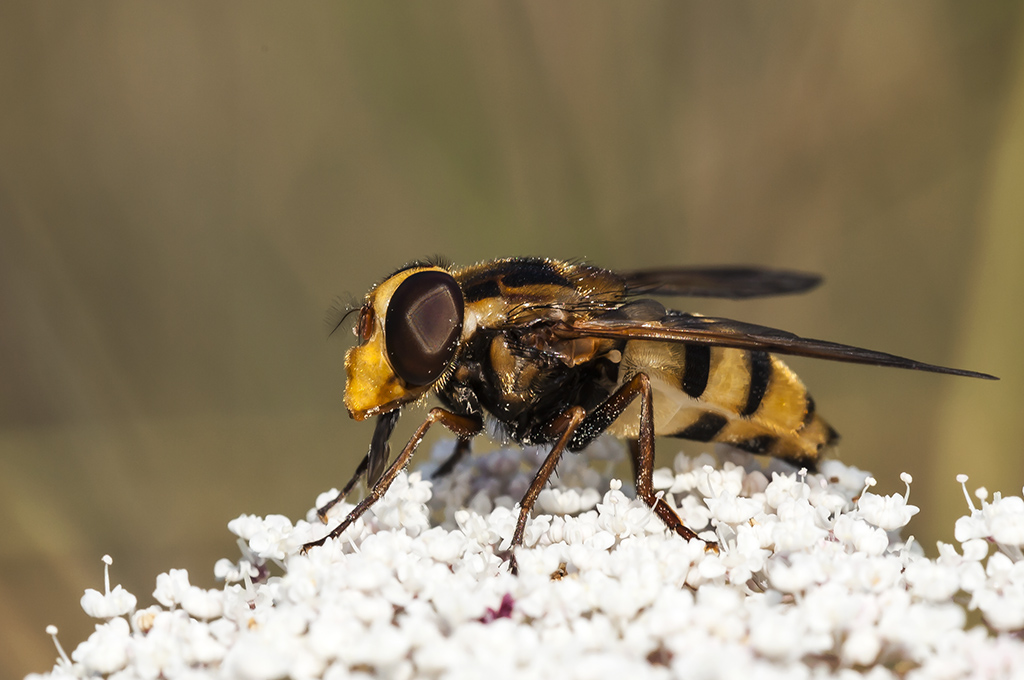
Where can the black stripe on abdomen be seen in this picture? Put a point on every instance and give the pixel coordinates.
(704, 428)
(808, 412)
(759, 444)
(696, 367)
(760, 376)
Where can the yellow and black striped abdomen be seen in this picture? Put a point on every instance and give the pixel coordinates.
(750, 400)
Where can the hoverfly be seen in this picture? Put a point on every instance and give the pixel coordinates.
(557, 353)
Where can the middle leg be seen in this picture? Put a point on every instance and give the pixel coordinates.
(641, 449)
(576, 428)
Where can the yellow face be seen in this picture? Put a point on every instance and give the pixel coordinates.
(424, 324)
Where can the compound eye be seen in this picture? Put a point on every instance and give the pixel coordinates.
(422, 326)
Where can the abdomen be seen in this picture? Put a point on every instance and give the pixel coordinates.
(750, 400)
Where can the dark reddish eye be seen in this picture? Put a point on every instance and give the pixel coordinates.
(365, 325)
(422, 326)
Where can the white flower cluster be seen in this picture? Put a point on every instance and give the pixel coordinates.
(811, 581)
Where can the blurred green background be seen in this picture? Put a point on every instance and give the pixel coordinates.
(186, 187)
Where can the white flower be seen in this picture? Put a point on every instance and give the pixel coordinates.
(931, 581)
(117, 602)
(63, 663)
(783, 489)
(106, 650)
(694, 512)
(795, 574)
(975, 549)
(806, 584)
(754, 483)
(563, 501)
(858, 533)
(1005, 520)
(1003, 572)
(111, 602)
(252, 658)
(444, 546)
(971, 528)
(247, 526)
(232, 572)
(862, 646)
(733, 509)
(171, 587)
(475, 527)
(887, 512)
(798, 526)
(779, 633)
(200, 644)
(622, 516)
(203, 604)
(664, 479)
(727, 481)
(842, 477)
(744, 556)
(872, 574)
(271, 539)
(1004, 611)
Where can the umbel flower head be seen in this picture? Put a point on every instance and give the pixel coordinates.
(812, 580)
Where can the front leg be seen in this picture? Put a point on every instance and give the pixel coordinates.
(322, 511)
(373, 462)
(566, 424)
(463, 426)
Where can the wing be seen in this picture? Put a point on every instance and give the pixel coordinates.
(722, 282)
(706, 330)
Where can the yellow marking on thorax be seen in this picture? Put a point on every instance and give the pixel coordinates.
(487, 313)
